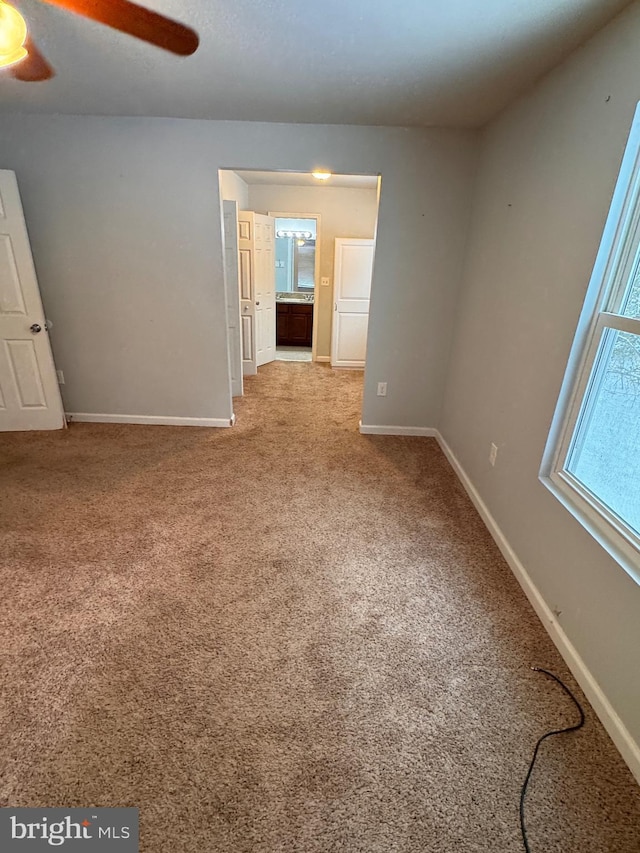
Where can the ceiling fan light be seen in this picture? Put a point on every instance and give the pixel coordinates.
(321, 176)
(13, 34)
(7, 59)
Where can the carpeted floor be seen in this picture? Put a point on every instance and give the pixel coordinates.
(281, 637)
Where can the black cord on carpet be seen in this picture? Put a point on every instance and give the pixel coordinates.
(579, 725)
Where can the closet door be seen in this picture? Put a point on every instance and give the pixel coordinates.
(352, 289)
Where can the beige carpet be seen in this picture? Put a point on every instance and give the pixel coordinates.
(281, 637)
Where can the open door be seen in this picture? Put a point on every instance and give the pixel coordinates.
(352, 289)
(29, 393)
(265, 289)
(257, 290)
(232, 289)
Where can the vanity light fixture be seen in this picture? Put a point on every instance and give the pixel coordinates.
(321, 176)
(13, 34)
(299, 235)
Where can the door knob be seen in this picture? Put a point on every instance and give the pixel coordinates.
(35, 328)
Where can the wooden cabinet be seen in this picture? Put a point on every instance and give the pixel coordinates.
(294, 324)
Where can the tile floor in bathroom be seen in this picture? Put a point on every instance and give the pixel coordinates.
(293, 353)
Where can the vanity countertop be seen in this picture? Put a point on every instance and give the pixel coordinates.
(293, 300)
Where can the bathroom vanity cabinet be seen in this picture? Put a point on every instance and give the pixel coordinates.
(294, 323)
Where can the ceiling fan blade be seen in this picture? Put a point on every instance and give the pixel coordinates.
(33, 68)
(136, 21)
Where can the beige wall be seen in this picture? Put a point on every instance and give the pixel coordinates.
(547, 171)
(345, 213)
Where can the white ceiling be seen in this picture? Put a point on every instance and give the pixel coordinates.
(380, 62)
(304, 179)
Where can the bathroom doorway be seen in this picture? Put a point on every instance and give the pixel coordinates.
(297, 261)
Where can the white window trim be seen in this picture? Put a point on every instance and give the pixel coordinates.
(615, 256)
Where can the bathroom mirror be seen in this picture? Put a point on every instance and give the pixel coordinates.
(295, 255)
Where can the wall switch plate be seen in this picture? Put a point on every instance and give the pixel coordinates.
(382, 389)
(60, 376)
(493, 453)
(324, 282)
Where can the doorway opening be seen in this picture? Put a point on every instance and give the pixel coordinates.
(298, 268)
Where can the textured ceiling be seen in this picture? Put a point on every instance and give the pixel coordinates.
(386, 62)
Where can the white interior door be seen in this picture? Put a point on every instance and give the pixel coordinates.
(265, 266)
(232, 288)
(246, 229)
(353, 269)
(257, 289)
(29, 392)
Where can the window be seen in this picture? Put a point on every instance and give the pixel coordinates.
(592, 460)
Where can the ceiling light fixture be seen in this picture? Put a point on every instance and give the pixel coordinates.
(13, 34)
(321, 176)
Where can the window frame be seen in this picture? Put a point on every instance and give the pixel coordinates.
(618, 256)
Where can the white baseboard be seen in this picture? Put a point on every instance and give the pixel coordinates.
(375, 429)
(324, 358)
(616, 729)
(90, 418)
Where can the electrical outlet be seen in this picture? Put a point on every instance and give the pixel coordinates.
(324, 282)
(60, 376)
(493, 453)
(382, 389)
